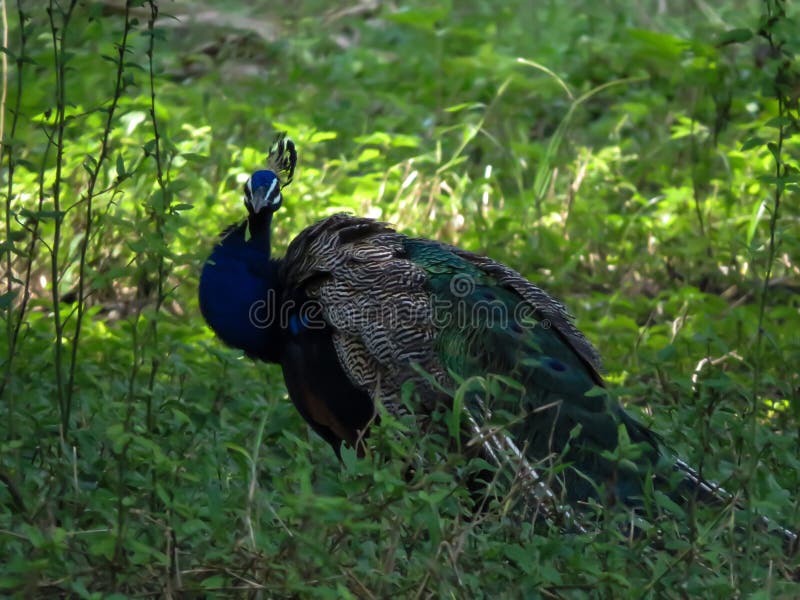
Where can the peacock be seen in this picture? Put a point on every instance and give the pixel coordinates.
(358, 315)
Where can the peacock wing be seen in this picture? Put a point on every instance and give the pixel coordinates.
(374, 299)
(394, 302)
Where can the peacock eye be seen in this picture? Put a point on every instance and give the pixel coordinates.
(247, 192)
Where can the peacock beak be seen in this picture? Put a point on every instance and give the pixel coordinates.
(267, 197)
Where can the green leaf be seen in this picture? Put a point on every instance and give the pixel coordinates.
(376, 138)
(752, 142)
(596, 391)
(425, 18)
(667, 353)
(778, 122)
(9, 582)
(660, 45)
(322, 136)
(46, 215)
(195, 157)
(520, 556)
(349, 458)
(6, 299)
(465, 106)
(669, 505)
(735, 36)
(755, 216)
(214, 582)
(239, 449)
(149, 147)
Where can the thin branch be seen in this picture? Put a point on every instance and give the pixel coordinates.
(59, 55)
(158, 217)
(89, 197)
(7, 150)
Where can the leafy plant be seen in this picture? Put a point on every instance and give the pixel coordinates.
(645, 172)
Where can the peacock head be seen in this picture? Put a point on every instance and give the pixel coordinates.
(263, 190)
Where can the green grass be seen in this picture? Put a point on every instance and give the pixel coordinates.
(622, 158)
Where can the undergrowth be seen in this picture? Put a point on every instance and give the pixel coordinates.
(636, 159)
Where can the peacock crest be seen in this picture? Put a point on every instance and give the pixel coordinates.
(282, 159)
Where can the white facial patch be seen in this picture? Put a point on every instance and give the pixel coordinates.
(273, 195)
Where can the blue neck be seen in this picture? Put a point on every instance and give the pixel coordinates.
(240, 290)
(260, 225)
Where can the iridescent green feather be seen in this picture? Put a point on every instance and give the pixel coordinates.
(481, 333)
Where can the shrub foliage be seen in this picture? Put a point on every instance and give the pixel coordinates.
(637, 159)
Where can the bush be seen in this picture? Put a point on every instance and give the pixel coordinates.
(638, 160)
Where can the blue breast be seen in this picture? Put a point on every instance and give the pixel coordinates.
(238, 298)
